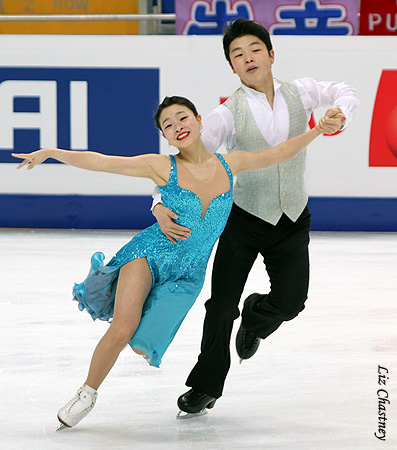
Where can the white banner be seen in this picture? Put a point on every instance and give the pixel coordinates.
(195, 67)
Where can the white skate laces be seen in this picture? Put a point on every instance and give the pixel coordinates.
(80, 405)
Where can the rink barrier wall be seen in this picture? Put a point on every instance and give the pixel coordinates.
(102, 103)
(133, 212)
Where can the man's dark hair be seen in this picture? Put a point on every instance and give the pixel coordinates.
(241, 27)
(174, 100)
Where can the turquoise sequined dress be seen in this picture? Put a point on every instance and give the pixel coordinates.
(178, 270)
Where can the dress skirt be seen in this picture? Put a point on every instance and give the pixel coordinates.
(163, 311)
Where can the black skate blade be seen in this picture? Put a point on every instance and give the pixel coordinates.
(182, 415)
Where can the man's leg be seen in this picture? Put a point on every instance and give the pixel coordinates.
(233, 261)
(287, 263)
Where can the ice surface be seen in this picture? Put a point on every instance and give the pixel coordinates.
(312, 385)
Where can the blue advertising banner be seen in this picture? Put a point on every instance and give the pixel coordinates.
(295, 17)
(109, 110)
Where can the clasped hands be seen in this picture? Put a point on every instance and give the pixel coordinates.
(332, 121)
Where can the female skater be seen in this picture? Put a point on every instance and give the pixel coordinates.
(150, 284)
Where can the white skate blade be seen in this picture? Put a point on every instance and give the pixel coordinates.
(182, 415)
(61, 427)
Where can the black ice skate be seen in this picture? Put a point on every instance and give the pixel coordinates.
(246, 343)
(194, 403)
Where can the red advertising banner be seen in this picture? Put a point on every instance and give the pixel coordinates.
(378, 17)
(383, 138)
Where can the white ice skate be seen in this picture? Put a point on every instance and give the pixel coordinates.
(80, 405)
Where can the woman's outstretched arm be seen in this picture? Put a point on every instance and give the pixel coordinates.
(151, 166)
(242, 161)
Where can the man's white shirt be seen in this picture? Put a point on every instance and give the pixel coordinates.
(219, 127)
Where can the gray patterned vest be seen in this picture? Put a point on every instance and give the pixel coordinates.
(268, 193)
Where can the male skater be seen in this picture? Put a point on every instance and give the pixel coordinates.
(270, 214)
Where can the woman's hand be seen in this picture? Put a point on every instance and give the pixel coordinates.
(32, 159)
(332, 121)
(165, 218)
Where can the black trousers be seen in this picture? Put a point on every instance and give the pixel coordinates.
(284, 248)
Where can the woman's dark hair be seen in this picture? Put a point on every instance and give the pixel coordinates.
(241, 27)
(174, 100)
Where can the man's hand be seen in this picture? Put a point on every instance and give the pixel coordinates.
(332, 121)
(165, 218)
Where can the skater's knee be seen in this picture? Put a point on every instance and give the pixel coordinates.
(290, 312)
(221, 311)
(121, 335)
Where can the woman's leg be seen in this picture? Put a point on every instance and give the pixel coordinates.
(133, 286)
